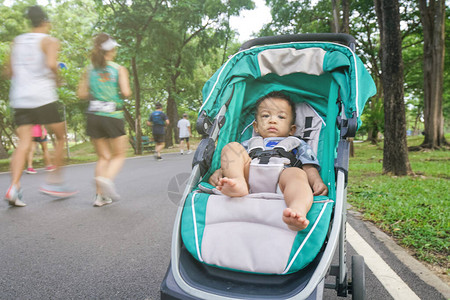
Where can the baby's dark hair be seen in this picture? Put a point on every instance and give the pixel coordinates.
(280, 95)
(36, 15)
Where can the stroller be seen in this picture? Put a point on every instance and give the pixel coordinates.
(330, 86)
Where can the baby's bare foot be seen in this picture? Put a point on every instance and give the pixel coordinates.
(232, 187)
(294, 220)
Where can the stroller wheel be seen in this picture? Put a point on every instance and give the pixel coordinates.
(358, 285)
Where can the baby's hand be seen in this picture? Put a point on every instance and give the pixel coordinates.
(215, 177)
(320, 189)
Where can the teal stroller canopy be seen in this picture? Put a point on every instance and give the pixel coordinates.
(301, 69)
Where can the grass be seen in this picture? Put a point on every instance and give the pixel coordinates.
(412, 209)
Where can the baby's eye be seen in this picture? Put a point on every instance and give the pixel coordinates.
(282, 117)
(264, 115)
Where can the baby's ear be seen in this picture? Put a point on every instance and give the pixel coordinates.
(255, 126)
(293, 129)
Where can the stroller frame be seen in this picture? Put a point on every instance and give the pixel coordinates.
(178, 285)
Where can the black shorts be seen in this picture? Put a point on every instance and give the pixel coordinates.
(159, 138)
(46, 114)
(185, 139)
(104, 127)
(39, 139)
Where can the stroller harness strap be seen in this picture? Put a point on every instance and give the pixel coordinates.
(282, 149)
(267, 164)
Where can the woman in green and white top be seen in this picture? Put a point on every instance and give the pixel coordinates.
(105, 84)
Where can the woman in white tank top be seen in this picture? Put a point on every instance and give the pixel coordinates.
(33, 69)
(33, 82)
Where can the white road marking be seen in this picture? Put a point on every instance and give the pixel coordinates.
(390, 280)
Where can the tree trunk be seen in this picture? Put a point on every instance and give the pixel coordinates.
(172, 114)
(335, 24)
(433, 21)
(352, 147)
(395, 152)
(129, 119)
(4, 131)
(345, 16)
(137, 97)
(3, 153)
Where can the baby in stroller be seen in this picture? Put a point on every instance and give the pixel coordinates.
(299, 179)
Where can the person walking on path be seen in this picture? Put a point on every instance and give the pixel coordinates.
(39, 135)
(184, 127)
(158, 120)
(33, 70)
(105, 83)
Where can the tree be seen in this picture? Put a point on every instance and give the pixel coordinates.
(131, 23)
(165, 42)
(432, 15)
(75, 34)
(395, 152)
(304, 17)
(341, 19)
(193, 39)
(299, 17)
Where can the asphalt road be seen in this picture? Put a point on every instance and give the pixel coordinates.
(67, 249)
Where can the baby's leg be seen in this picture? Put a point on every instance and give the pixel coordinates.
(235, 164)
(298, 196)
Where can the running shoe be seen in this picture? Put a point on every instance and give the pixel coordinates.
(58, 190)
(31, 171)
(14, 196)
(101, 200)
(107, 200)
(189, 152)
(50, 168)
(108, 188)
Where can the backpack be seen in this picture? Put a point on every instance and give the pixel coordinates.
(157, 118)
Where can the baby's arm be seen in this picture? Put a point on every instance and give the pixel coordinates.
(315, 181)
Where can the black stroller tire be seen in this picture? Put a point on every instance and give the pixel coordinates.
(358, 278)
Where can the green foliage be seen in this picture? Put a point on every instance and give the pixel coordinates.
(299, 17)
(411, 209)
(13, 21)
(173, 44)
(373, 119)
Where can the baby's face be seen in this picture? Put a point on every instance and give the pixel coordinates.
(274, 118)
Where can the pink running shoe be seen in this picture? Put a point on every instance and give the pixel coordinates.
(50, 168)
(31, 171)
